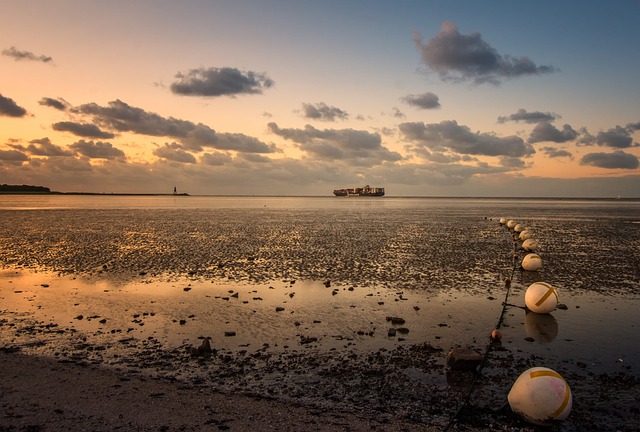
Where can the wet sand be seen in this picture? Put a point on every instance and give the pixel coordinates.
(139, 299)
(41, 394)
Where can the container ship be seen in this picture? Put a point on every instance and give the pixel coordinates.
(363, 191)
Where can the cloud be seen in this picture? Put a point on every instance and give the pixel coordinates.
(174, 152)
(554, 152)
(243, 144)
(18, 55)
(355, 146)
(97, 150)
(215, 159)
(426, 100)
(43, 147)
(13, 157)
(512, 163)
(529, 117)
(616, 160)
(545, 131)
(122, 117)
(9, 107)
(458, 57)
(617, 137)
(82, 129)
(59, 104)
(438, 174)
(220, 82)
(449, 135)
(397, 113)
(322, 111)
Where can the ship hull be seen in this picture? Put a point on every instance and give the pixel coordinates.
(366, 191)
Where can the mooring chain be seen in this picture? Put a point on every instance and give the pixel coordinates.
(478, 371)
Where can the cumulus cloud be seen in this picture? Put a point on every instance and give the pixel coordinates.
(454, 56)
(13, 157)
(426, 100)
(545, 131)
(355, 146)
(449, 135)
(529, 117)
(220, 82)
(9, 107)
(174, 152)
(616, 137)
(43, 147)
(82, 129)
(215, 159)
(321, 111)
(59, 104)
(553, 152)
(616, 160)
(18, 55)
(97, 150)
(122, 117)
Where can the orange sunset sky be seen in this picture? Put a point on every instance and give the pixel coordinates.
(424, 98)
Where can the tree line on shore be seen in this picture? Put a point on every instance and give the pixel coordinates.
(6, 188)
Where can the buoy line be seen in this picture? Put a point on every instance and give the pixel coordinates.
(485, 356)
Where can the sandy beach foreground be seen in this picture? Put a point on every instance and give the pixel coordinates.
(39, 394)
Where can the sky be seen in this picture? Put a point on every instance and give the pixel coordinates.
(292, 97)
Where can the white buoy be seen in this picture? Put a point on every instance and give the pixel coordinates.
(541, 297)
(530, 245)
(531, 262)
(519, 228)
(503, 221)
(525, 235)
(540, 395)
(511, 223)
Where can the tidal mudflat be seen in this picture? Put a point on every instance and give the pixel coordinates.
(340, 307)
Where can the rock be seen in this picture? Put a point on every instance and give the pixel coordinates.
(327, 283)
(306, 340)
(186, 289)
(392, 332)
(279, 309)
(403, 330)
(205, 347)
(396, 320)
(229, 333)
(462, 359)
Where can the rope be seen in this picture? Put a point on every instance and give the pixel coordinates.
(467, 397)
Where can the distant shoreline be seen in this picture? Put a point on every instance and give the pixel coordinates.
(91, 193)
(40, 190)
